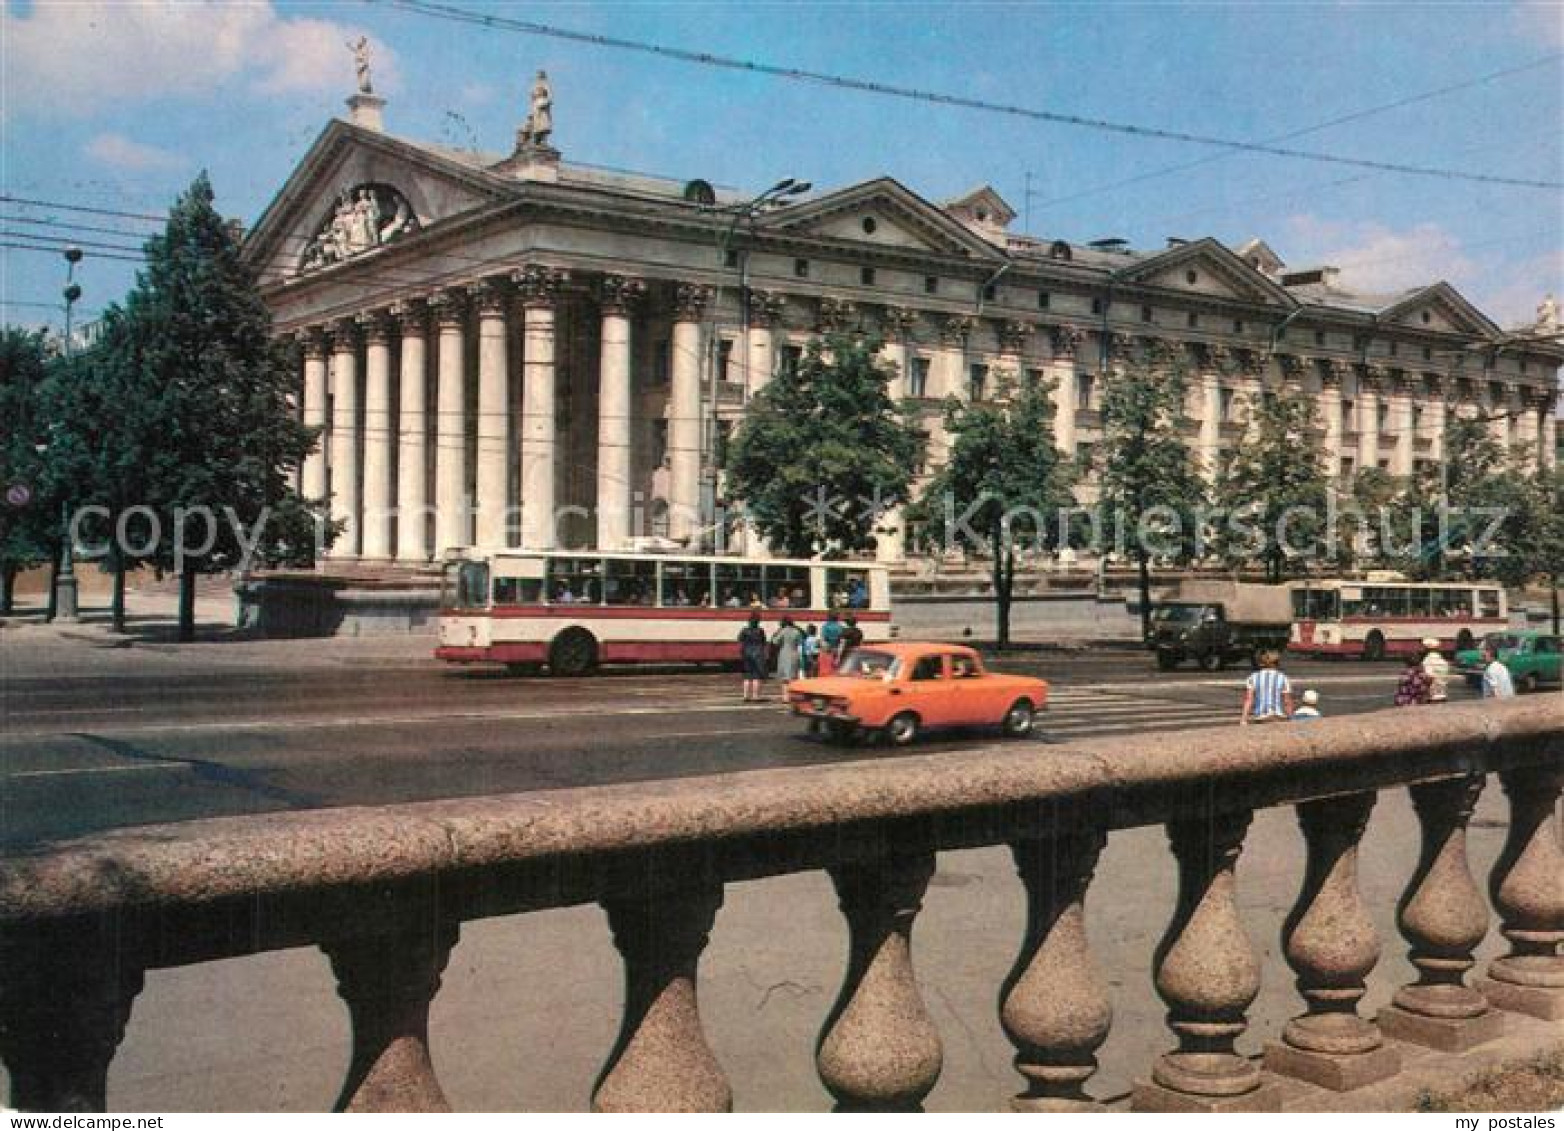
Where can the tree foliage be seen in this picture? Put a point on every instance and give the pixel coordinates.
(1150, 486)
(823, 450)
(1275, 486)
(1002, 486)
(29, 514)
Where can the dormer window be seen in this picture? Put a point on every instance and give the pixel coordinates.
(869, 225)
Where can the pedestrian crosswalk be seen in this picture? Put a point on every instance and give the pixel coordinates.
(1092, 713)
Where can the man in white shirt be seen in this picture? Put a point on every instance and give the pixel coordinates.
(1496, 677)
(1438, 670)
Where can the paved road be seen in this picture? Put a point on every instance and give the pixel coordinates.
(124, 745)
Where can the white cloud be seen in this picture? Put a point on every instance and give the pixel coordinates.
(120, 152)
(78, 58)
(1375, 259)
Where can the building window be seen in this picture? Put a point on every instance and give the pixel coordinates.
(866, 276)
(788, 359)
(1238, 325)
(724, 359)
(1193, 320)
(1227, 400)
(801, 268)
(977, 381)
(1382, 418)
(1096, 306)
(921, 462)
(661, 353)
(989, 291)
(1384, 465)
(1346, 409)
(1042, 300)
(1428, 353)
(660, 442)
(1417, 418)
(1319, 337)
(1346, 467)
(918, 378)
(1085, 455)
(1033, 378)
(869, 225)
(1145, 314)
(1523, 368)
(1083, 391)
(1395, 348)
(732, 257)
(930, 285)
(1191, 277)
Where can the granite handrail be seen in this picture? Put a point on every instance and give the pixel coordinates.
(81, 921)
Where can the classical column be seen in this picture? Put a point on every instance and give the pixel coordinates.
(450, 437)
(1012, 335)
(1330, 415)
(1054, 1003)
(1066, 343)
(947, 379)
(684, 412)
(64, 1003)
(378, 444)
(344, 439)
(1527, 889)
(539, 288)
(661, 1061)
(312, 484)
(1528, 423)
(1331, 944)
(1434, 422)
(491, 494)
(1401, 427)
(765, 314)
(1207, 973)
(1210, 424)
(617, 295)
(1499, 416)
(1443, 917)
(1371, 379)
(878, 1049)
(388, 982)
(412, 486)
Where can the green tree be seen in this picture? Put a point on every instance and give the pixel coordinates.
(1002, 486)
(29, 517)
(823, 450)
(1151, 488)
(194, 346)
(1275, 482)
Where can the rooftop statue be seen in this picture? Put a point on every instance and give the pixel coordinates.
(360, 49)
(540, 117)
(1548, 314)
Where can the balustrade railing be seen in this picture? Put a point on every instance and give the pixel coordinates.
(383, 893)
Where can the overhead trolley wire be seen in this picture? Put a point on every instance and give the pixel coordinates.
(798, 74)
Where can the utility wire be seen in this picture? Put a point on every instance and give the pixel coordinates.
(66, 226)
(1356, 115)
(798, 74)
(82, 208)
(56, 251)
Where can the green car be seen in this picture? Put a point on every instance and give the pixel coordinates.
(1532, 657)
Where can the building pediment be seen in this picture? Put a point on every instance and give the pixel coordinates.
(1439, 309)
(357, 191)
(882, 212)
(1206, 267)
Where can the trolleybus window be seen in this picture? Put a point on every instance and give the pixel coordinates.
(847, 588)
(1453, 603)
(686, 583)
(517, 591)
(1316, 604)
(787, 587)
(1488, 603)
(575, 581)
(630, 582)
(739, 585)
(465, 585)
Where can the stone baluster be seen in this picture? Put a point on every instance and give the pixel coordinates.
(388, 982)
(1527, 889)
(1443, 917)
(661, 1061)
(1331, 944)
(64, 1003)
(1207, 973)
(878, 1049)
(1054, 1005)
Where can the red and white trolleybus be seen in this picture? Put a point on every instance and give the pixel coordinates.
(1376, 618)
(574, 610)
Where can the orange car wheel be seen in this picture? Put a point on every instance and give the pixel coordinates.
(1017, 722)
(902, 729)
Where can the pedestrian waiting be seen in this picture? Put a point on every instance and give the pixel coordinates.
(753, 651)
(1497, 683)
(1438, 669)
(1414, 688)
(1267, 693)
(1309, 712)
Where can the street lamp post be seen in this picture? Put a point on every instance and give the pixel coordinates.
(66, 604)
(744, 213)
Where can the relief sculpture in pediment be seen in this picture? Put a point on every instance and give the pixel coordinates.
(366, 216)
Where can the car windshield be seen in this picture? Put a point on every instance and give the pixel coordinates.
(1177, 614)
(867, 662)
(1505, 642)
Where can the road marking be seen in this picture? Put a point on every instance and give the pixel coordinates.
(137, 767)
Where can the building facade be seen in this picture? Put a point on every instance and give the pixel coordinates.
(517, 350)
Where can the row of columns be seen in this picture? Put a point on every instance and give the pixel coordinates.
(362, 496)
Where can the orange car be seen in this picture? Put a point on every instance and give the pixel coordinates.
(898, 689)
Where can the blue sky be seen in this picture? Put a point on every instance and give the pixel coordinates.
(117, 105)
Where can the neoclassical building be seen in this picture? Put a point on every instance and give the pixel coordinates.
(518, 350)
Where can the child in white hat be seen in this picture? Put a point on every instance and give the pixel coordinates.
(1310, 710)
